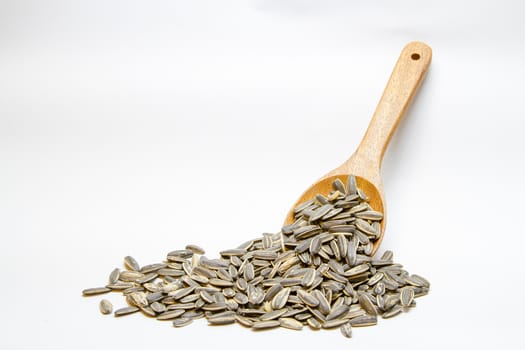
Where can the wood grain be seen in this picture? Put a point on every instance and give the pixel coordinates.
(365, 162)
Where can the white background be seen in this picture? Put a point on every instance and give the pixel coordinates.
(139, 127)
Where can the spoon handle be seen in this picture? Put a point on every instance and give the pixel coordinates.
(402, 85)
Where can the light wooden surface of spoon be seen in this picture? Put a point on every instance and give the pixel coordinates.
(365, 163)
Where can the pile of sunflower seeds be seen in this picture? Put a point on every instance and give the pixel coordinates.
(315, 272)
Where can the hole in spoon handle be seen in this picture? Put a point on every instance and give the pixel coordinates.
(404, 81)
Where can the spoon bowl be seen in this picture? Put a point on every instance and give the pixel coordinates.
(365, 163)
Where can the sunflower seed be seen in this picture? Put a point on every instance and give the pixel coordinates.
(407, 296)
(280, 299)
(220, 283)
(170, 272)
(420, 281)
(363, 321)
(147, 278)
(266, 324)
(95, 291)
(365, 227)
(362, 195)
(290, 323)
(356, 270)
(246, 322)
(215, 264)
(137, 299)
(105, 307)
(241, 284)
(130, 276)
(228, 292)
(131, 263)
(256, 297)
(113, 276)
(367, 304)
(219, 298)
(273, 291)
(249, 273)
(226, 317)
(370, 215)
(224, 275)
(315, 245)
(152, 268)
(306, 231)
(355, 313)
(324, 306)
(195, 249)
(169, 315)
(180, 293)
(265, 255)
(148, 311)
(158, 307)
(182, 322)
(273, 315)
(126, 311)
(189, 298)
(337, 312)
(308, 298)
(346, 330)
(233, 252)
(289, 282)
(183, 253)
(351, 185)
(394, 311)
(375, 278)
(320, 212)
(351, 253)
(358, 208)
(333, 212)
(334, 323)
(313, 323)
(303, 206)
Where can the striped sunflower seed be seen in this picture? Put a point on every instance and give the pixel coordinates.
(181, 322)
(158, 307)
(394, 311)
(337, 312)
(105, 307)
(407, 296)
(273, 315)
(324, 305)
(313, 323)
(346, 330)
(280, 299)
(183, 253)
(290, 323)
(195, 249)
(351, 185)
(95, 291)
(363, 321)
(226, 317)
(307, 298)
(126, 311)
(114, 276)
(334, 323)
(170, 315)
(270, 294)
(265, 324)
(367, 304)
(152, 268)
(131, 263)
(246, 322)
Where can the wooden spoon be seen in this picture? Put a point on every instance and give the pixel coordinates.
(365, 163)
